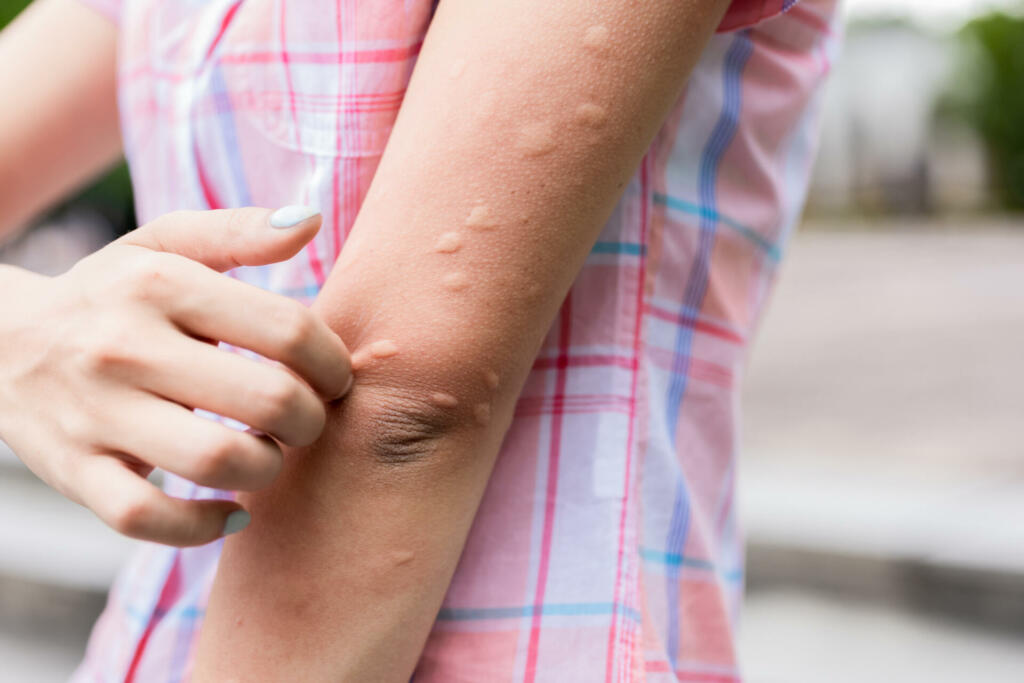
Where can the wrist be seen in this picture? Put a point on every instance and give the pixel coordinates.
(14, 284)
(12, 276)
(17, 286)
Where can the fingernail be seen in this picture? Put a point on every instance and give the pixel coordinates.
(289, 216)
(236, 521)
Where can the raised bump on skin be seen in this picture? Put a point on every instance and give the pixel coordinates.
(480, 217)
(448, 243)
(482, 413)
(455, 282)
(485, 104)
(439, 398)
(491, 378)
(536, 139)
(596, 38)
(360, 358)
(402, 557)
(385, 348)
(458, 66)
(590, 114)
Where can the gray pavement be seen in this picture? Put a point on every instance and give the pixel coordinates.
(895, 351)
(884, 396)
(800, 637)
(884, 459)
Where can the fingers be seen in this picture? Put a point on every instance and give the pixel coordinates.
(212, 306)
(173, 438)
(228, 238)
(227, 310)
(261, 395)
(133, 506)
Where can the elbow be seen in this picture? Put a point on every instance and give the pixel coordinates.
(424, 403)
(405, 427)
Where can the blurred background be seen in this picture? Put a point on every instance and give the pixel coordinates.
(882, 483)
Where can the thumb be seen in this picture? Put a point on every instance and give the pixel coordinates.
(226, 238)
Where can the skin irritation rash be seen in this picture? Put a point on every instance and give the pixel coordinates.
(596, 42)
(378, 350)
(385, 348)
(590, 115)
(443, 400)
(538, 138)
(448, 243)
(596, 39)
(534, 139)
(400, 558)
(457, 68)
(480, 218)
(456, 281)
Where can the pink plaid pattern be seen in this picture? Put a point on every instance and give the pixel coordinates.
(607, 546)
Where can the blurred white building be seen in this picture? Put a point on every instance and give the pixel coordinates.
(883, 147)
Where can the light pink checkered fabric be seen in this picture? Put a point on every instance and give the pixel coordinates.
(607, 546)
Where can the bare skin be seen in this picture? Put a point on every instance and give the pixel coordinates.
(344, 567)
(100, 366)
(59, 126)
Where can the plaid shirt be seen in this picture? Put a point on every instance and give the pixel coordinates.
(607, 546)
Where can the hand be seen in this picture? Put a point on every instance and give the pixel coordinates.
(101, 367)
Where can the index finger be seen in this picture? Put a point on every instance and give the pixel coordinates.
(215, 306)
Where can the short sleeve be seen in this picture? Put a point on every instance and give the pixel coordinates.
(108, 8)
(745, 13)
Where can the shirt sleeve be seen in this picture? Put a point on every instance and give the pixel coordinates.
(746, 13)
(741, 13)
(108, 8)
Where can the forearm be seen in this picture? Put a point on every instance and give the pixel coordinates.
(60, 125)
(520, 128)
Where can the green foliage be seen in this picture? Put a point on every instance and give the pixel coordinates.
(996, 105)
(10, 9)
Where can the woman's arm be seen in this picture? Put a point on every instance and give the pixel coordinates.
(58, 125)
(522, 124)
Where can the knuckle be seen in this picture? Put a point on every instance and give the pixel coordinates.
(133, 516)
(279, 397)
(216, 461)
(285, 408)
(296, 328)
(65, 474)
(106, 349)
(77, 427)
(146, 276)
(234, 226)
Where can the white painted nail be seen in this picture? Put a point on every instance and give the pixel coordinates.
(236, 521)
(290, 216)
